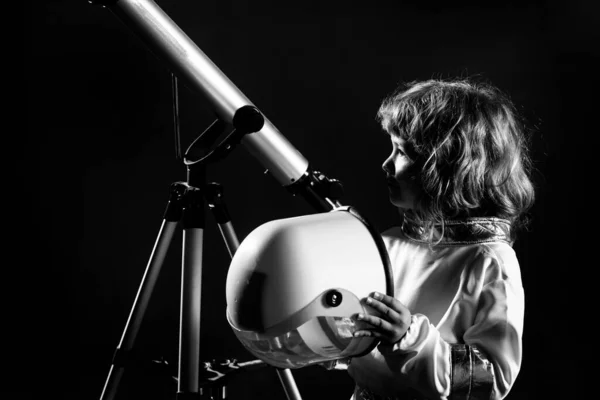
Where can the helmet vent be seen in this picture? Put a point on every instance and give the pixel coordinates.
(333, 298)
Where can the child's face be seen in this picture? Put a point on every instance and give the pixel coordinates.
(403, 188)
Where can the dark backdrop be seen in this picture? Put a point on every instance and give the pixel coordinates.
(99, 159)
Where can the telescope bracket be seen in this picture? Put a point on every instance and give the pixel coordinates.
(208, 147)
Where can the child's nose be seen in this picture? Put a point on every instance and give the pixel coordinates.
(388, 166)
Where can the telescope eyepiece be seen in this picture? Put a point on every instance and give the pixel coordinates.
(248, 119)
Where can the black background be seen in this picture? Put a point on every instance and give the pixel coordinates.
(99, 158)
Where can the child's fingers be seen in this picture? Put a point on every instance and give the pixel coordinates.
(389, 301)
(376, 322)
(369, 333)
(382, 303)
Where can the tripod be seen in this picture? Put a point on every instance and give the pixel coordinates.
(187, 205)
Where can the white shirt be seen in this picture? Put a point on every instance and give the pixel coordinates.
(458, 292)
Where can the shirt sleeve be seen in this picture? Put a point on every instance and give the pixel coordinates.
(485, 363)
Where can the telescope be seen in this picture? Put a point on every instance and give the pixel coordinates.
(189, 64)
(312, 316)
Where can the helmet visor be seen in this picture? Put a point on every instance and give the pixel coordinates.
(317, 333)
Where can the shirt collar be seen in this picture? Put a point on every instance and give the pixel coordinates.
(459, 232)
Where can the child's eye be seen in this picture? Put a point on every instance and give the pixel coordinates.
(399, 149)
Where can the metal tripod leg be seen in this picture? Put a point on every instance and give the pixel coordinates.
(167, 230)
(288, 383)
(191, 295)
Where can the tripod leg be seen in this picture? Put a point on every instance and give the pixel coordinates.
(231, 240)
(191, 290)
(215, 201)
(140, 304)
(288, 383)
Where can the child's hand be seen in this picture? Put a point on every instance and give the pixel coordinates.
(391, 324)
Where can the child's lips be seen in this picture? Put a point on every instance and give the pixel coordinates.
(392, 182)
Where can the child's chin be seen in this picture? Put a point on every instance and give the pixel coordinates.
(397, 202)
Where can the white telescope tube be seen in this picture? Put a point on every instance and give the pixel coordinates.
(167, 41)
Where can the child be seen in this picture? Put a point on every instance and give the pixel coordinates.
(458, 172)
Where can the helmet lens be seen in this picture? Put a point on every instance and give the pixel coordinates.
(303, 340)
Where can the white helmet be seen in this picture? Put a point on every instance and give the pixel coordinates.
(294, 286)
